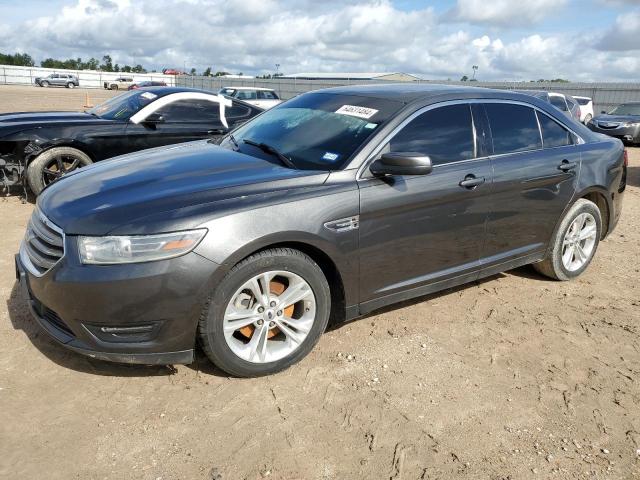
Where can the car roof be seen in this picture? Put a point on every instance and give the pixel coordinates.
(249, 88)
(412, 92)
(162, 91)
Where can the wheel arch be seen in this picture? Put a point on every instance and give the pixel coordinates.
(63, 142)
(312, 247)
(600, 196)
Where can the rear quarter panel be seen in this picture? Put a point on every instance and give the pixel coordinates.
(602, 171)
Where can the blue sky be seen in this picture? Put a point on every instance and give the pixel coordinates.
(588, 40)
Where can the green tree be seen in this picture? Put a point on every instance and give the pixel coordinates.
(464, 78)
(207, 72)
(107, 64)
(18, 59)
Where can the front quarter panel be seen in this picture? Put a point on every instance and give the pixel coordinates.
(299, 219)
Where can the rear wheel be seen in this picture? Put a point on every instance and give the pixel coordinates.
(266, 314)
(114, 87)
(575, 242)
(52, 164)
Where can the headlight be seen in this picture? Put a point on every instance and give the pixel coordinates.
(632, 124)
(140, 248)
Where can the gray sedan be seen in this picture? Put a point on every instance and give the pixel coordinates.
(622, 122)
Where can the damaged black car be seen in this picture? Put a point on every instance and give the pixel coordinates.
(37, 148)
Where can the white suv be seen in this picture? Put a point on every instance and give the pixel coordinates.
(586, 109)
(264, 98)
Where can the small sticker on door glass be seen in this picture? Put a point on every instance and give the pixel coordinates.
(371, 126)
(148, 95)
(355, 111)
(330, 156)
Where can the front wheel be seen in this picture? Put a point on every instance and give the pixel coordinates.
(266, 314)
(71, 85)
(44, 84)
(587, 119)
(52, 164)
(575, 242)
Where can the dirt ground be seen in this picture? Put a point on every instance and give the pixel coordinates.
(513, 377)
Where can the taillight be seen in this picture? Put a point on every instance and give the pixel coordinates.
(626, 158)
(579, 112)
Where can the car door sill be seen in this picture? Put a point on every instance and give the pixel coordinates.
(376, 303)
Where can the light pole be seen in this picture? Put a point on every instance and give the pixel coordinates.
(475, 68)
(277, 68)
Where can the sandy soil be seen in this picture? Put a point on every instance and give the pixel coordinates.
(514, 377)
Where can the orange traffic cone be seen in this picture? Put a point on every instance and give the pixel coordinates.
(87, 102)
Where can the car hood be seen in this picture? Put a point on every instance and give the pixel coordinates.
(98, 199)
(15, 122)
(617, 118)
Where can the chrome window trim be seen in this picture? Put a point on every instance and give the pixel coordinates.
(24, 257)
(420, 111)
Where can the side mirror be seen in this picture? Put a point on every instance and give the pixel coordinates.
(401, 163)
(154, 118)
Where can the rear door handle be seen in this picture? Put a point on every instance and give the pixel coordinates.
(567, 166)
(471, 181)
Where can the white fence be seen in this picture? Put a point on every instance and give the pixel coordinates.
(10, 74)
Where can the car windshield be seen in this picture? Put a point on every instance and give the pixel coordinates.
(626, 109)
(315, 131)
(123, 106)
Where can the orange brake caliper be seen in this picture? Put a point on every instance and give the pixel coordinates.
(276, 288)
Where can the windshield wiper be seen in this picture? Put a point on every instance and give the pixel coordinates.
(273, 151)
(234, 141)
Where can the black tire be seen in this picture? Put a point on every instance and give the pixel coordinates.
(587, 119)
(37, 176)
(552, 266)
(44, 84)
(114, 87)
(210, 328)
(71, 85)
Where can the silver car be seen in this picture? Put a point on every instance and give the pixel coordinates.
(58, 80)
(565, 103)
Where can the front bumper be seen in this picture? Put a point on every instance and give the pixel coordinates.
(629, 134)
(143, 313)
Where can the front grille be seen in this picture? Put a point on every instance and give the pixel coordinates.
(43, 243)
(608, 125)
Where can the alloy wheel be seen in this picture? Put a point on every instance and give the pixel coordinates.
(579, 242)
(59, 166)
(269, 316)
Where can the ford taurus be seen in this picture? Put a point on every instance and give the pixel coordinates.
(322, 209)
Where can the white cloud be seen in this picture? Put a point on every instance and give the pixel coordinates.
(624, 35)
(305, 35)
(504, 13)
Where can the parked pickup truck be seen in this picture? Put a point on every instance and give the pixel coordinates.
(120, 83)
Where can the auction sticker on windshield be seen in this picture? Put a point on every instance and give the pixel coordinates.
(355, 111)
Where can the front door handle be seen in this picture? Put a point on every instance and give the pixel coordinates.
(471, 181)
(567, 166)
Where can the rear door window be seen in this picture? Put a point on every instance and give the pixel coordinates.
(553, 134)
(445, 134)
(246, 95)
(558, 102)
(514, 128)
(266, 95)
(191, 111)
